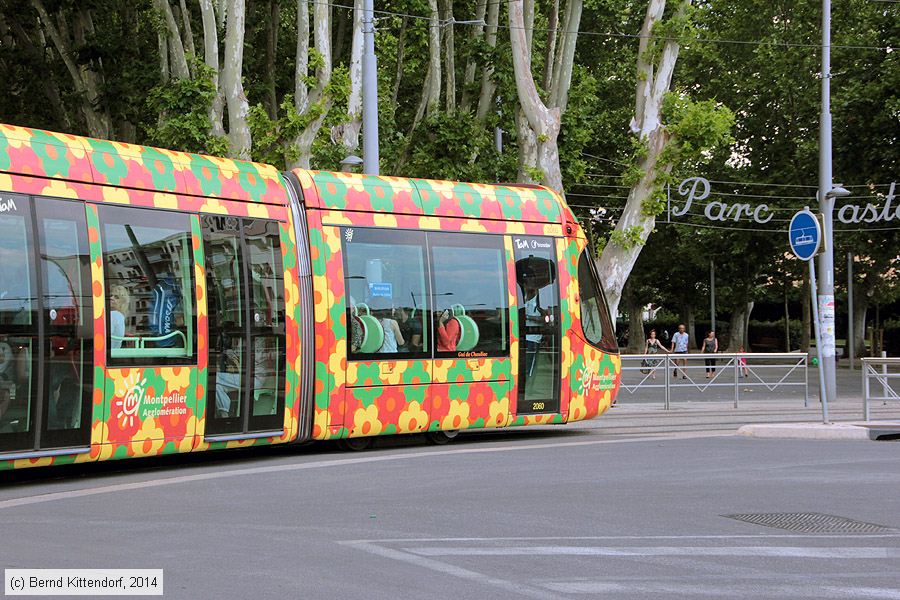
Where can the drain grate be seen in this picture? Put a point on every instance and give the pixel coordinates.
(811, 522)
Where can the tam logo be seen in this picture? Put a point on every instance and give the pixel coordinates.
(8, 206)
(131, 403)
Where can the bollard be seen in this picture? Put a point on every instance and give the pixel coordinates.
(806, 375)
(666, 378)
(737, 379)
(864, 369)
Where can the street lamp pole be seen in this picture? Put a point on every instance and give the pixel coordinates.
(369, 91)
(826, 207)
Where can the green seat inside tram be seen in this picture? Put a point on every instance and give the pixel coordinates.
(264, 403)
(373, 333)
(468, 329)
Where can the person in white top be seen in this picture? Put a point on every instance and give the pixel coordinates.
(393, 338)
(680, 343)
(119, 300)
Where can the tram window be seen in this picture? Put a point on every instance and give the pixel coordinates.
(18, 324)
(471, 295)
(65, 261)
(147, 258)
(387, 298)
(593, 307)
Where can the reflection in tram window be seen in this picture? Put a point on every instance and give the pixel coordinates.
(592, 307)
(267, 307)
(148, 265)
(471, 296)
(537, 292)
(64, 257)
(387, 301)
(18, 327)
(245, 286)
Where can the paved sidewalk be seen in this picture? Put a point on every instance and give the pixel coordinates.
(708, 417)
(854, 430)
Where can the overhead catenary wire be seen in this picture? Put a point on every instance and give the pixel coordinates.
(753, 183)
(609, 34)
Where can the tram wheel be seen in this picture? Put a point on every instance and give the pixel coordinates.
(355, 444)
(441, 437)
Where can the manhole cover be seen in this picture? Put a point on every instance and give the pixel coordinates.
(811, 522)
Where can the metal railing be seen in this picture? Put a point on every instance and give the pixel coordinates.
(883, 372)
(671, 373)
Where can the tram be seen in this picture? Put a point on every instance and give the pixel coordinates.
(156, 302)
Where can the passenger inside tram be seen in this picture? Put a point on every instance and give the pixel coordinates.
(393, 337)
(448, 332)
(411, 328)
(119, 301)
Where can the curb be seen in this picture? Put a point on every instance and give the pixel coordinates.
(820, 431)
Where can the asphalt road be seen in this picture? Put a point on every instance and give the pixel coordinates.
(561, 513)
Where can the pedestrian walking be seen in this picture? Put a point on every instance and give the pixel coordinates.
(680, 344)
(742, 364)
(710, 346)
(653, 346)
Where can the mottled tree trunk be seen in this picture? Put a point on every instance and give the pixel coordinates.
(350, 132)
(272, 24)
(740, 325)
(188, 30)
(318, 95)
(860, 308)
(654, 81)
(433, 85)
(552, 35)
(211, 58)
(690, 322)
(635, 322)
(543, 121)
(488, 85)
(477, 33)
(401, 48)
(449, 58)
(562, 76)
(86, 81)
(178, 67)
(236, 101)
(301, 65)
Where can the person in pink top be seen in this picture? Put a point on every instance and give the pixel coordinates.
(447, 332)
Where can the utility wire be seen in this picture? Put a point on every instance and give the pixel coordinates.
(754, 183)
(609, 34)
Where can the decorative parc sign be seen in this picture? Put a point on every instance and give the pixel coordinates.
(697, 189)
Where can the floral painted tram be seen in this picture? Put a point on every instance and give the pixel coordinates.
(156, 302)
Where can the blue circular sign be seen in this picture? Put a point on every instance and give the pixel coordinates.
(805, 235)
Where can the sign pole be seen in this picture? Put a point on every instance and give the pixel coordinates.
(805, 237)
(851, 349)
(823, 397)
(826, 207)
(712, 295)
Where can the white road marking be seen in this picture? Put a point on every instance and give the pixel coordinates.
(734, 585)
(319, 464)
(510, 586)
(847, 553)
(842, 536)
(732, 590)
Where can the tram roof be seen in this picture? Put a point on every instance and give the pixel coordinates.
(36, 152)
(39, 153)
(427, 197)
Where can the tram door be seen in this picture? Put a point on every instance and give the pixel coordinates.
(46, 326)
(245, 292)
(537, 291)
